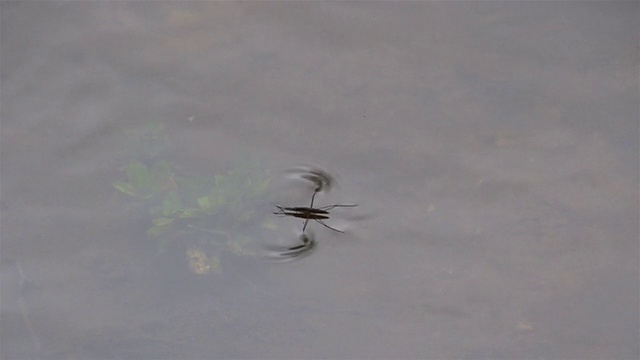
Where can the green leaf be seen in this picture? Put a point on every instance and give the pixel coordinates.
(190, 213)
(204, 202)
(217, 198)
(159, 174)
(162, 221)
(157, 230)
(125, 187)
(171, 204)
(138, 175)
(219, 179)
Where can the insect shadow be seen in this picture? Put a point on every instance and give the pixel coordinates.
(311, 213)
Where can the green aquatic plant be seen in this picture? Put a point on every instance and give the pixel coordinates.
(209, 214)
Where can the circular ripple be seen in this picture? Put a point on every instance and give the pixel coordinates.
(321, 180)
(306, 246)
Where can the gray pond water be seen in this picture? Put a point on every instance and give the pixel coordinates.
(491, 149)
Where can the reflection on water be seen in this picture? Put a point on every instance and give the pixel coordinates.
(307, 245)
(321, 180)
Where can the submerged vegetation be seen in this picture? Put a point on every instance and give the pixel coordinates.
(211, 215)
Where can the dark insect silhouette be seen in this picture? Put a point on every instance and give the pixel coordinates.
(310, 213)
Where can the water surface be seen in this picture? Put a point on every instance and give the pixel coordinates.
(491, 148)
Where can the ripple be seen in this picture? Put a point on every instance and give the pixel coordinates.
(321, 180)
(305, 248)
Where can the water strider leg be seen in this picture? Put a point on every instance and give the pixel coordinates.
(325, 225)
(329, 207)
(306, 221)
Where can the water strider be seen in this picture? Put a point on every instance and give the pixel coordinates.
(311, 213)
(322, 182)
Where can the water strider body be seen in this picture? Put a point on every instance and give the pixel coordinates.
(311, 213)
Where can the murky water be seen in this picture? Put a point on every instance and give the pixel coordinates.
(491, 150)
